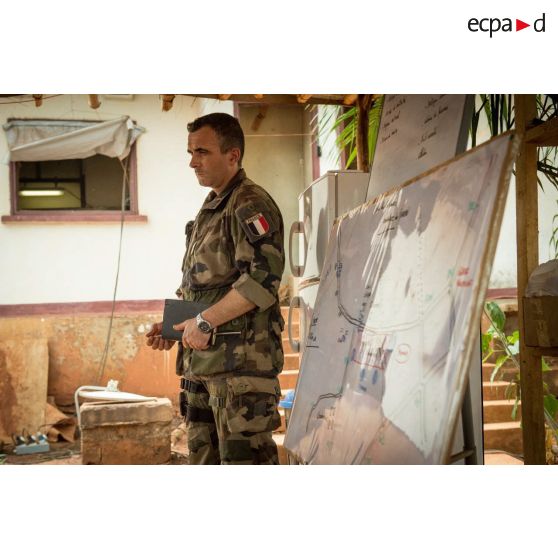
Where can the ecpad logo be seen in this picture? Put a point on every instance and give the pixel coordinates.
(493, 25)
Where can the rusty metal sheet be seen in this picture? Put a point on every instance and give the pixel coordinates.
(23, 385)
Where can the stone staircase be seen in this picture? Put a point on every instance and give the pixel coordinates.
(501, 431)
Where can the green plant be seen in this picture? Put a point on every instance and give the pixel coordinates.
(506, 348)
(343, 123)
(498, 110)
(500, 117)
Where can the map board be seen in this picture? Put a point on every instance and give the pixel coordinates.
(417, 133)
(396, 317)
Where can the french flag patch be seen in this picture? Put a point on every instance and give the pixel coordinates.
(257, 224)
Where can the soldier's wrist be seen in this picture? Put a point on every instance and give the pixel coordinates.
(204, 325)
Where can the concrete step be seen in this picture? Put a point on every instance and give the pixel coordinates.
(504, 436)
(287, 346)
(492, 391)
(288, 379)
(504, 374)
(499, 411)
(291, 361)
(507, 373)
(295, 331)
(285, 313)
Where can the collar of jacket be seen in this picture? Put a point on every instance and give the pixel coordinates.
(213, 200)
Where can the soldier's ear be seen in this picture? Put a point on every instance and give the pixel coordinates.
(234, 154)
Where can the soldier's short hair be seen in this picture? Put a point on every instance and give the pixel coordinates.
(226, 127)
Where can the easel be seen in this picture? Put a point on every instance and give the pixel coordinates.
(469, 453)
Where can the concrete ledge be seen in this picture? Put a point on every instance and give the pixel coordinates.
(103, 413)
(126, 433)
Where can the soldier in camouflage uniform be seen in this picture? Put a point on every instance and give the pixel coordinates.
(232, 352)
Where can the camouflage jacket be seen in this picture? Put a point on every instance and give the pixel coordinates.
(236, 241)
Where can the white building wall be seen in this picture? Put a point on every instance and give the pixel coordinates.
(75, 262)
(275, 158)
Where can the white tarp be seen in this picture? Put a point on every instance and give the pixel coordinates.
(53, 140)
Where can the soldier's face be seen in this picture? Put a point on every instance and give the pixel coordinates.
(213, 168)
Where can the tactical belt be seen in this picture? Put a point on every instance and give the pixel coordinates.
(192, 387)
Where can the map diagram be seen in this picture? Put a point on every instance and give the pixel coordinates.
(383, 373)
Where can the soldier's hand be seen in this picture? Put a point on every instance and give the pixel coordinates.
(154, 339)
(193, 337)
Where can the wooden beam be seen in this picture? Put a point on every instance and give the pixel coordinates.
(224, 97)
(167, 102)
(280, 99)
(364, 102)
(94, 102)
(38, 100)
(303, 98)
(350, 99)
(527, 230)
(545, 134)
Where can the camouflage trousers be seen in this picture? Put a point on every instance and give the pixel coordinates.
(229, 421)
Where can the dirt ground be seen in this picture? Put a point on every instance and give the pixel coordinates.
(64, 453)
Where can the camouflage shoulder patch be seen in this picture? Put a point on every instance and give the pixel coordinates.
(256, 220)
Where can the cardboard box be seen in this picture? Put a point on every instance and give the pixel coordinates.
(540, 314)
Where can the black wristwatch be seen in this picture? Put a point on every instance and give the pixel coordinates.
(203, 325)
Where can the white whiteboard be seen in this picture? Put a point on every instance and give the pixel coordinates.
(417, 133)
(396, 317)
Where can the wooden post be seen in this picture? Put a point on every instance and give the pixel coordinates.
(94, 102)
(532, 412)
(38, 100)
(364, 102)
(167, 102)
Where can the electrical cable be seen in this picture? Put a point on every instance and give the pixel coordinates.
(104, 356)
(29, 100)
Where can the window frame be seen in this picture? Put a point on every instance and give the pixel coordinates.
(76, 215)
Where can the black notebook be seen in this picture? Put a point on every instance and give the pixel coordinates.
(175, 312)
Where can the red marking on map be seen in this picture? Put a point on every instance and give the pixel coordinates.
(519, 25)
(402, 353)
(463, 271)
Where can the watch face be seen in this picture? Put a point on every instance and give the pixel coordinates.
(204, 326)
